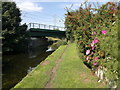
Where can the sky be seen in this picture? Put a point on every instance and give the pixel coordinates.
(51, 13)
(46, 12)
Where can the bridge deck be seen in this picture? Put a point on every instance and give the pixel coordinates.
(36, 32)
(44, 26)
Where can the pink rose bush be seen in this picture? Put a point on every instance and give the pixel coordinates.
(87, 58)
(98, 36)
(87, 52)
(95, 63)
(96, 58)
(94, 33)
(92, 53)
(93, 47)
(104, 32)
(95, 40)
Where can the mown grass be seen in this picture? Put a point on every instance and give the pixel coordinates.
(40, 75)
(71, 72)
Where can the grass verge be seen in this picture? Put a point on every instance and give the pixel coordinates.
(70, 73)
(40, 75)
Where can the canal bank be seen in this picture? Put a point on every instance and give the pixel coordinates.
(15, 66)
(62, 69)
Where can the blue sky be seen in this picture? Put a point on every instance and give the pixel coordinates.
(50, 13)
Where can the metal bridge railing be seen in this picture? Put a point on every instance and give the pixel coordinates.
(44, 26)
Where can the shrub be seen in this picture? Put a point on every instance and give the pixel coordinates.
(95, 31)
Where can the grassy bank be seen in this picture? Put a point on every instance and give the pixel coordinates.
(62, 69)
(72, 73)
(40, 75)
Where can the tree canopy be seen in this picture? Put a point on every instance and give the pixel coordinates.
(14, 35)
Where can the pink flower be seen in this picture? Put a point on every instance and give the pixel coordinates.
(96, 58)
(88, 61)
(92, 44)
(95, 63)
(95, 40)
(92, 53)
(87, 52)
(93, 33)
(87, 58)
(113, 8)
(93, 48)
(104, 32)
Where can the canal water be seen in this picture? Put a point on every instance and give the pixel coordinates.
(17, 66)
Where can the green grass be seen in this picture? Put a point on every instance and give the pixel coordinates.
(39, 76)
(71, 72)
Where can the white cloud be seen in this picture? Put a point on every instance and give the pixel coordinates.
(29, 6)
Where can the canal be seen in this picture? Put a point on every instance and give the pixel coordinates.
(17, 66)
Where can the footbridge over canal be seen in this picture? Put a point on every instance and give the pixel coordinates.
(40, 30)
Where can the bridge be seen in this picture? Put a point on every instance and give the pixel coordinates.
(40, 30)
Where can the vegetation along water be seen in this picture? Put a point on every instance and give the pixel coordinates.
(90, 61)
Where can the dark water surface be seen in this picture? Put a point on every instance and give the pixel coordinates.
(15, 67)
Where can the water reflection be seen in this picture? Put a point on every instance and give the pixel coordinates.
(30, 69)
(49, 49)
(17, 66)
(33, 52)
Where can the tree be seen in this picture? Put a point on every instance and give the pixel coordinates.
(14, 35)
